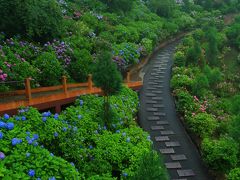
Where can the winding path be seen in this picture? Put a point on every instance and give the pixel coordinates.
(158, 117)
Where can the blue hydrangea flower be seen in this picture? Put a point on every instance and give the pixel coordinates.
(125, 174)
(90, 147)
(117, 131)
(51, 154)
(75, 128)
(55, 134)
(24, 118)
(35, 144)
(55, 116)
(2, 155)
(44, 119)
(2, 124)
(30, 141)
(128, 139)
(31, 173)
(81, 102)
(79, 116)
(1, 135)
(17, 118)
(38, 178)
(72, 164)
(15, 141)
(35, 136)
(52, 178)
(28, 154)
(10, 126)
(27, 132)
(6, 116)
(124, 134)
(64, 129)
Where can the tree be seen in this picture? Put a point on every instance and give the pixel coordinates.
(162, 7)
(124, 5)
(107, 77)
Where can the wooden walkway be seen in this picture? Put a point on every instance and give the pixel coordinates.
(52, 97)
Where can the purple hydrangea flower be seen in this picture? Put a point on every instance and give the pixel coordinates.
(31, 173)
(30, 141)
(2, 155)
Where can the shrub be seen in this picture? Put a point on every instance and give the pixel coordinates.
(79, 67)
(39, 19)
(179, 59)
(123, 5)
(200, 85)
(147, 46)
(50, 69)
(151, 168)
(126, 34)
(234, 174)
(181, 81)
(203, 124)
(220, 155)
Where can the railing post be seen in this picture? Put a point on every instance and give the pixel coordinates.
(90, 83)
(64, 83)
(28, 89)
(128, 77)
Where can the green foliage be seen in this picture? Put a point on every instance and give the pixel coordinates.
(147, 45)
(203, 125)
(234, 128)
(123, 5)
(150, 168)
(126, 34)
(234, 174)
(50, 69)
(214, 76)
(39, 19)
(220, 155)
(194, 54)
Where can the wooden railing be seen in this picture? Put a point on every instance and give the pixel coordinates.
(63, 94)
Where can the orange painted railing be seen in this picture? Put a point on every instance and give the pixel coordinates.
(57, 98)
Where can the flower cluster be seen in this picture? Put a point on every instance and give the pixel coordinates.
(202, 107)
(3, 75)
(61, 49)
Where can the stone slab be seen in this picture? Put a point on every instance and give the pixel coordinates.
(151, 102)
(159, 114)
(178, 157)
(153, 118)
(162, 138)
(157, 98)
(167, 151)
(157, 128)
(185, 173)
(157, 92)
(172, 144)
(150, 94)
(158, 106)
(162, 122)
(173, 165)
(151, 88)
(152, 83)
(168, 132)
(152, 109)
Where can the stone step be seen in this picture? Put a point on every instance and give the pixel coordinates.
(159, 114)
(152, 109)
(157, 128)
(185, 173)
(151, 88)
(157, 98)
(151, 102)
(157, 92)
(158, 106)
(167, 151)
(173, 165)
(150, 94)
(162, 122)
(167, 132)
(178, 157)
(153, 118)
(172, 144)
(162, 138)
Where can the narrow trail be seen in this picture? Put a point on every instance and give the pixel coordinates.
(158, 116)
